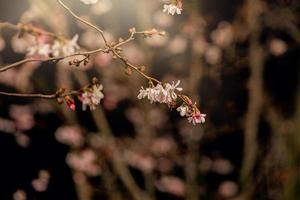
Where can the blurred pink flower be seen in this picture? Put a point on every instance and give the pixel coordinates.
(84, 161)
(19, 195)
(22, 139)
(163, 145)
(143, 162)
(134, 53)
(171, 184)
(213, 55)
(7, 126)
(200, 45)
(222, 166)
(41, 183)
(228, 189)
(163, 20)
(20, 45)
(277, 47)
(23, 117)
(70, 135)
(223, 35)
(178, 45)
(103, 59)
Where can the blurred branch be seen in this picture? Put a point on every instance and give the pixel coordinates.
(256, 57)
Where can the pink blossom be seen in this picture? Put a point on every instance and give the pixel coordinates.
(69, 135)
(197, 118)
(40, 184)
(92, 97)
(84, 161)
(173, 8)
(160, 93)
(171, 184)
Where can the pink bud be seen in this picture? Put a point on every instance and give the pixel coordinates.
(72, 107)
(71, 104)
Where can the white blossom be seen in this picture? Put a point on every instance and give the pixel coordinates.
(39, 49)
(92, 98)
(172, 89)
(183, 110)
(143, 93)
(160, 94)
(89, 1)
(65, 48)
(173, 8)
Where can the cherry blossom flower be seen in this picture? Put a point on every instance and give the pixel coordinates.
(160, 93)
(197, 118)
(92, 97)
(42, 50)
(65, 48)
(171, 89)
(172, 8)
(194, 115)
(183, 110)
(89, 1)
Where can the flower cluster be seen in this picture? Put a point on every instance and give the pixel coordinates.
(161, 94)
(174, 7)
(60, 47)
(65, 48)
(192, 113)
(167, 94)
(90, 95)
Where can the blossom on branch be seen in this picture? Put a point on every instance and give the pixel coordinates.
(167, 93)
(91, 97)
(42, 50)
(160, 94)
(174, 7)
(193, 115)
(65, 48)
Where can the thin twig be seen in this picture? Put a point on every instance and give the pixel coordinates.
(84, 21)
(27, 60)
